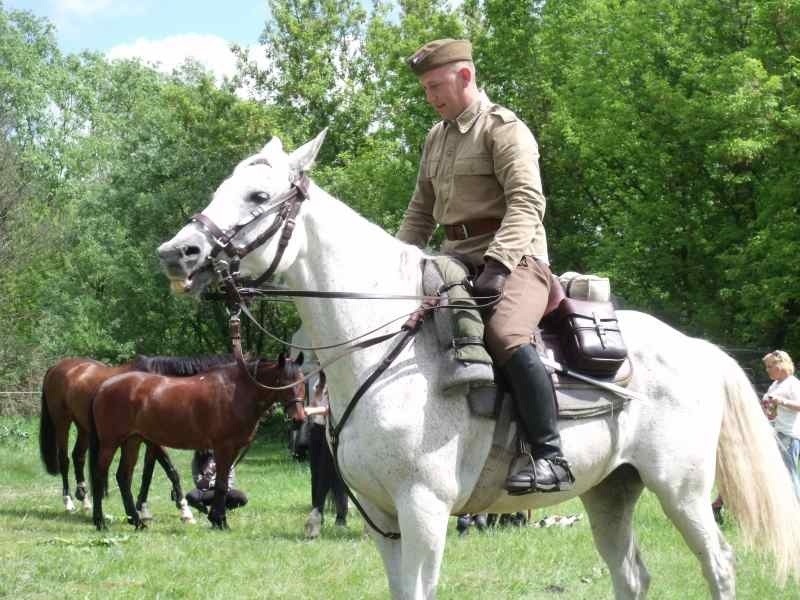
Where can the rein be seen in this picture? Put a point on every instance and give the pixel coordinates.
(238, 297)
(408, 331)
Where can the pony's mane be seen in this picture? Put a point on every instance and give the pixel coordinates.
(181, 365)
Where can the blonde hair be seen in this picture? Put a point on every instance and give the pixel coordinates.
(781, 359)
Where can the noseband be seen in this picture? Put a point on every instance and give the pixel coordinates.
(288, 204)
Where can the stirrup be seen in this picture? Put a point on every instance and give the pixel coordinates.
(535, 484)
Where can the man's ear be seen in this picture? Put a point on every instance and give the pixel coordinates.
(466, 76)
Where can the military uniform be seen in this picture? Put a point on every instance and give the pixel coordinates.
(480, 174)
(479, 179)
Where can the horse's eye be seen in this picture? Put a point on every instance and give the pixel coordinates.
(259, 197)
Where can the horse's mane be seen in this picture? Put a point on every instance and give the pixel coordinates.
(181, 365)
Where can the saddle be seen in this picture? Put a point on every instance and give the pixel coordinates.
(582, 335)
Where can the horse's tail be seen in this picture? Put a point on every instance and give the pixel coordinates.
(99, 488)
(48, 448)
(752, 477)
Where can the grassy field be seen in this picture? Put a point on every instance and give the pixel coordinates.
(45, 552)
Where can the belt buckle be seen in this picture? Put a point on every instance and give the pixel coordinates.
(462, 230)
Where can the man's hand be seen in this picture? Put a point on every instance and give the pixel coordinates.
(491, 280)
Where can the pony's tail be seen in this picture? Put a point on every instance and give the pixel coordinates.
(48, 449)
(99, 488)
(753, 479)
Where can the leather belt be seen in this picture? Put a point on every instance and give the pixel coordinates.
(468, 229)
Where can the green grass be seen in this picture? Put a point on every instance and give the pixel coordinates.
(45, 552)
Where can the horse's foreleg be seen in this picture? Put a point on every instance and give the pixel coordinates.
(390, 550)
(610, 506)
(79, 464)
(423, 519)
(224, 459)
(127, 462)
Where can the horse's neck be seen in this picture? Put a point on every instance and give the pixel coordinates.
(346, 253)
(255, 401)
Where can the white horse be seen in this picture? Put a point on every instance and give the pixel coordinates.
(414, 456)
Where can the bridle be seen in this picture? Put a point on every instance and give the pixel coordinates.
(286, 204)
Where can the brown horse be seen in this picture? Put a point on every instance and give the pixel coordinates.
(219, 409)
(67, 390)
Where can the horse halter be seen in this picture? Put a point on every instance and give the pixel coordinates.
(287, 205)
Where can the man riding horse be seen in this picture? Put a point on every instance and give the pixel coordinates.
(479, 178)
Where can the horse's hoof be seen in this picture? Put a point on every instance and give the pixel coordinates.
(69, 505)
(144, 512)
(100, 523)
(87, 505)
(313, 526)
(216, 522)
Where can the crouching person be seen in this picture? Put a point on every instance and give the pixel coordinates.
(204, 475)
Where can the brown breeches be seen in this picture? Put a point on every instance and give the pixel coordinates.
(518, 313)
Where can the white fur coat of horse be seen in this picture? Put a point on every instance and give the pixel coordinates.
(413, 456)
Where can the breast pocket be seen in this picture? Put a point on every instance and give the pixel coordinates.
(474, 165)
(431, 169)
(474, 179)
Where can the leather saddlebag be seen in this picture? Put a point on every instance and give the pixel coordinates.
(591, 338)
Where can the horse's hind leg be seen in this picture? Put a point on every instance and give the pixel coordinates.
(610, 506)
(99, 462)
(144, 488)
(694, 518)
(79, 464)
(62, 441)
(130, 452)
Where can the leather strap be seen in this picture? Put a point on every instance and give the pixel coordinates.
(468, 229)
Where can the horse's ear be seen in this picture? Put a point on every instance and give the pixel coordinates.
(299, 360)
(281, 360)
(274, 145)
(303, 158)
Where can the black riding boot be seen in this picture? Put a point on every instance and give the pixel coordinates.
(544, 469)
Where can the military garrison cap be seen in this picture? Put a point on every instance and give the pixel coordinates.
(439, 52)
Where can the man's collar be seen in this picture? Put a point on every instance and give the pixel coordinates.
(467, 118)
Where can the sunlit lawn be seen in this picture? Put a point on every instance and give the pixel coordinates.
(46, 553)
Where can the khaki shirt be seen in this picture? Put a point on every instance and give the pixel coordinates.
(485, 164)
